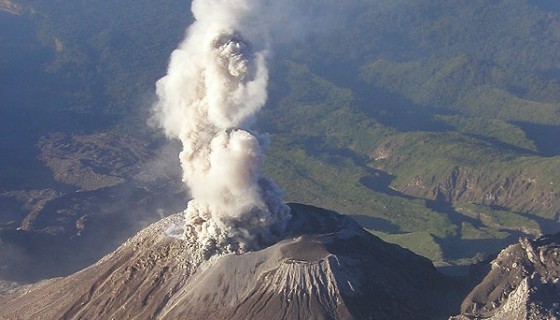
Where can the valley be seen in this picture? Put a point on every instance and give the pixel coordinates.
(442, 142)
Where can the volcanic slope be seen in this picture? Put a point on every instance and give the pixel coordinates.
(523, 283)
(327, 267)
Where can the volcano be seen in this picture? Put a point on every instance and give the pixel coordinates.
(325, 267)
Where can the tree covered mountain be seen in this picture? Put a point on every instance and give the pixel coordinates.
(433, 123)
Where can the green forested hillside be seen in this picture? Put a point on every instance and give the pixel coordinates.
(434, 123)
(107, 56)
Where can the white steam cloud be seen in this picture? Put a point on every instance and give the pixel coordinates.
(215, 84)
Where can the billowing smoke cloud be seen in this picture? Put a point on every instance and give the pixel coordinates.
(216, 82)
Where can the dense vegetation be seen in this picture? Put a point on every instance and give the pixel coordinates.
(434, 123)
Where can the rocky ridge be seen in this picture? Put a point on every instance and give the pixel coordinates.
(523, 283)
(525, 190)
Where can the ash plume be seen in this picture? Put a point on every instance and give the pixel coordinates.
(215, 84)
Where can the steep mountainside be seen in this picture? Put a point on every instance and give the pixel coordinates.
(523, 283)
(327, 267)
(467, 174)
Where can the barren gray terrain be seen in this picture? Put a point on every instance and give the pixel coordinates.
(522, 283)
(327, 267)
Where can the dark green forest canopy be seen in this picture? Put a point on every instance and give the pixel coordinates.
(425, 119)
(116, 51)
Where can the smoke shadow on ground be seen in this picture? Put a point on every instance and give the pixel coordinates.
(389, 108)
(546, 226)
(19, 134)
(380, 181)
(35, 102)
(75, 230)
(480, 249)
(502, 145)
(453, 247)
(544, 136)
(445, 207)
(375, 223)
(11, 211)
(395, 110)
(318, 147)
